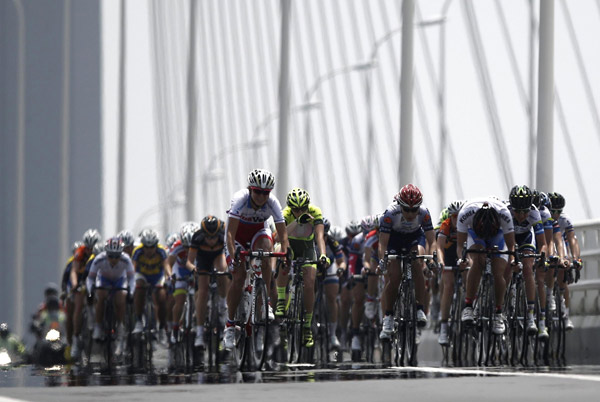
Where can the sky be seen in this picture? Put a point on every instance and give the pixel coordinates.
(467, 121)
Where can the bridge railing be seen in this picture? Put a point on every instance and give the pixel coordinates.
(585, 295)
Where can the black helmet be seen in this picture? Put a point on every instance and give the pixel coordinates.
(557, 201)
(51, 289)
(520, 197)
(52, 303)
(326, 225)
(211, 225)
(486, 222)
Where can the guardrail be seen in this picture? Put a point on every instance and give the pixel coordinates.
(585, 295)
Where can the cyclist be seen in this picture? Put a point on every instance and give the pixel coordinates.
(485, 223)
(446, 247)
(207, 251)
(151, 267)
(111, 270)
(178, 256)
(564, 226)
(78, 273)
(356, 251)
(370, 226)
(304, 224)
(331, 284)
(247, 224)
(530, 237)
(405, 224)
(352, 230)
(128, 242)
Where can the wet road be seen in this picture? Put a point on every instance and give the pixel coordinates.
(342, 381)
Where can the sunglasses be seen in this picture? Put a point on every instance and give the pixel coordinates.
(148, 247)
(113, 255)
(261, 192)
(521, 211)
(556, 211)
(406, 209)
(302, 209)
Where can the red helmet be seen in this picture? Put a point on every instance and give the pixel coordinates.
(409, 196)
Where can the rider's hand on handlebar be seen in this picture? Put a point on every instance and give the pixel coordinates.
(382, 266)
(324, 262)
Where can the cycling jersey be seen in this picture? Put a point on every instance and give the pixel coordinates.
(547, 220)
(533, 221)
(393, 221)
(372, 242)
(82, 255)
(465, 216)
(355, 256)
(252, 220)
(199, 240)
(66, 278)
(149, 266)
(448, 231)
(103, 274)
(302, 231)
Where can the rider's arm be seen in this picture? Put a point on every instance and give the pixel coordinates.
(232, 227)
(130, 276)
(509, 239)
(573, 245)
(91, 278)
(74, 270)
(430, 239)
(167, 267)
(541, 243)
(461, 239)
(367, 258)
(190, 263)
(320, 239)
(171, 259)
(441, 246)
(282, 235)
(384, 239)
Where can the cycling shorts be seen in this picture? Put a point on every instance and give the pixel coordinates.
(157, 280)
(497, 240)
(105, 283)
(399, 241)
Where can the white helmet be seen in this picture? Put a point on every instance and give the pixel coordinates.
(127, 238)
(171, 239)
(91, 237)
(149, 237)
(114, 246)
(261, 178)
(98, 248)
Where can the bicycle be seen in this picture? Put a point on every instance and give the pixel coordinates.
(404, 337)
(320, 321)
(370, 328)
(490, 347)
(184, 356)
(460, 346)
(554, 348)
(293, 323)
(213, 320)
(143, 347)
(252, 316)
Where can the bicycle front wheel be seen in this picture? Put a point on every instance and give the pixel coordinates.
(260, 324)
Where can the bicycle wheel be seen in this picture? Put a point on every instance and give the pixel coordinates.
(561, 329)
(108, 339)
(295, 321)
(484, 322)
(260, 324)
(410, 327)
(215, 330)
(454, 327)
(320, 330)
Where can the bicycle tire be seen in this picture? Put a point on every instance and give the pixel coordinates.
(454, 325)
(484, 322)
(410, 328)
(295, 323)
(260, 324)
(214, 333)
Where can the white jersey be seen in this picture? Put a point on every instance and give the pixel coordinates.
(465, 216)
(102, 268)
(393, 220)
(546, 218)
(242, 209)
(533, 221)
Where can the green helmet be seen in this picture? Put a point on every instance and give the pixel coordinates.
(298, 198)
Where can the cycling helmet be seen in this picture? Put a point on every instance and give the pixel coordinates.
(171, 239)
(114, 246)
(75, 246)
(353, 228)
(444, 215)
(127, 238)
(211, 225)
(544, 201)
(4, 330)
(51, 289)
(298, 198)
(409, 196)
(261, 179)
(367, 223)
(455, 206)
(326, 225)
(336, 233)
(486, 222)
(557, 201)
(149, 237)
(91, 237)
(98, 248)
(186, 237)
(189, 225)
(52, 303)
(520, 197)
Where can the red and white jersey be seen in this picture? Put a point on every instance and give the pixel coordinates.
(465, 216)
(372, 241)
(242, 209)
(180, 252)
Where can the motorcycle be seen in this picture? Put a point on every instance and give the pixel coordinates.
(49, 349)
